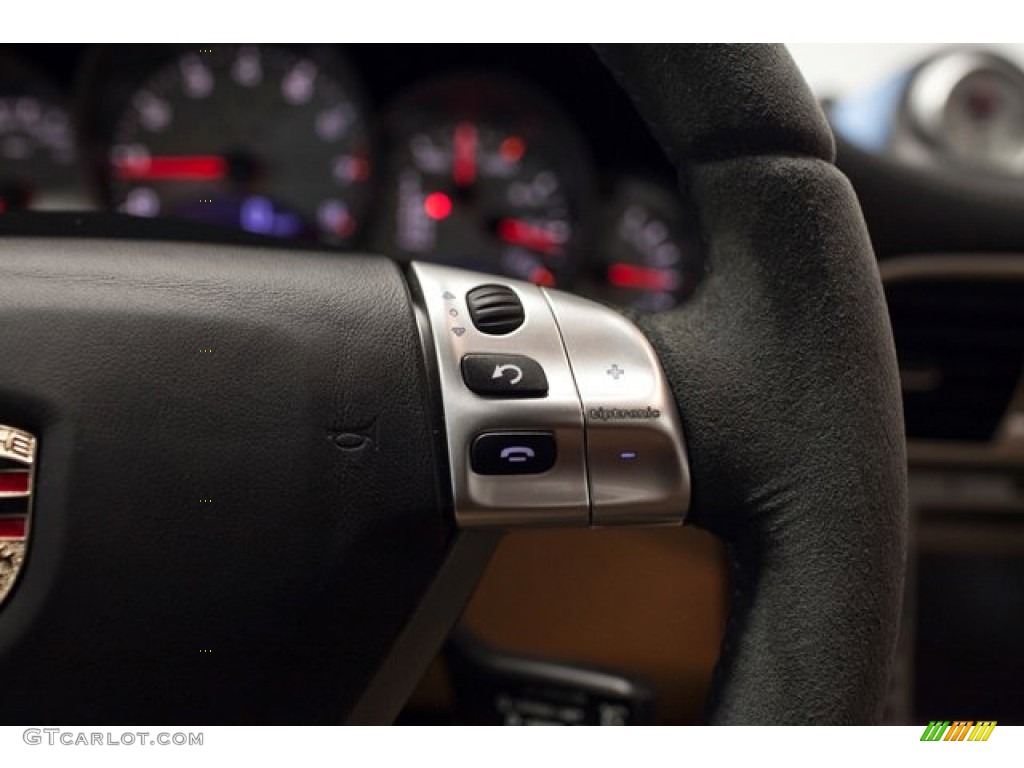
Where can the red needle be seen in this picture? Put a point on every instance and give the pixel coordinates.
(172, 168)
(642, 278)
(519, 232)
(464, 155)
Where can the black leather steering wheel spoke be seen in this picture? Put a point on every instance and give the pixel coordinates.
(267, 480)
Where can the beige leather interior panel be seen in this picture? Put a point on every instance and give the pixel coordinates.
(646, 601)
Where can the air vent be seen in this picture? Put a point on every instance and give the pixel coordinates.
(960, 344)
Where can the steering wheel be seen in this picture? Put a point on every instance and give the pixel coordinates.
(243, 506)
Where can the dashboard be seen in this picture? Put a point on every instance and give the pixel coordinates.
(961, 108)
(525, 161)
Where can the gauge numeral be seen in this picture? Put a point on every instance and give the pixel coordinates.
(196, 77)
(350, 169)
(666, 255)
(649, 236)
(332, 124)
(154, 113)
(537, 192)
(429, 156)
(333, 216)
(248, 69)
(297, 86)
(416, 231)
(141, 201)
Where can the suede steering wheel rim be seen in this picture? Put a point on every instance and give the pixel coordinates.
(785, 375)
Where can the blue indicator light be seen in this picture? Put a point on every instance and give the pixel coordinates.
(627, 455)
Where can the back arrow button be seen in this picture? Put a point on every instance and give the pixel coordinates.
(504, 375)
(499, 372)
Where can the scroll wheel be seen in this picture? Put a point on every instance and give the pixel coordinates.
(495, 309)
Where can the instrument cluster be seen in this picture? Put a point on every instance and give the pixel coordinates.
(471, 166)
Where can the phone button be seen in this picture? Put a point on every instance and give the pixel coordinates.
(513, 453)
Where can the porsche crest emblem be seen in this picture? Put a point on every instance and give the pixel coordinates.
(17, 464)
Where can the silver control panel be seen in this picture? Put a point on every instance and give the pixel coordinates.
(563, 418)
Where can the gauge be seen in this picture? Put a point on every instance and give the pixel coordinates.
(971, 105)
(38, 167)
(985, 120)
(487, 174)
(259, 138)
(649, 249)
